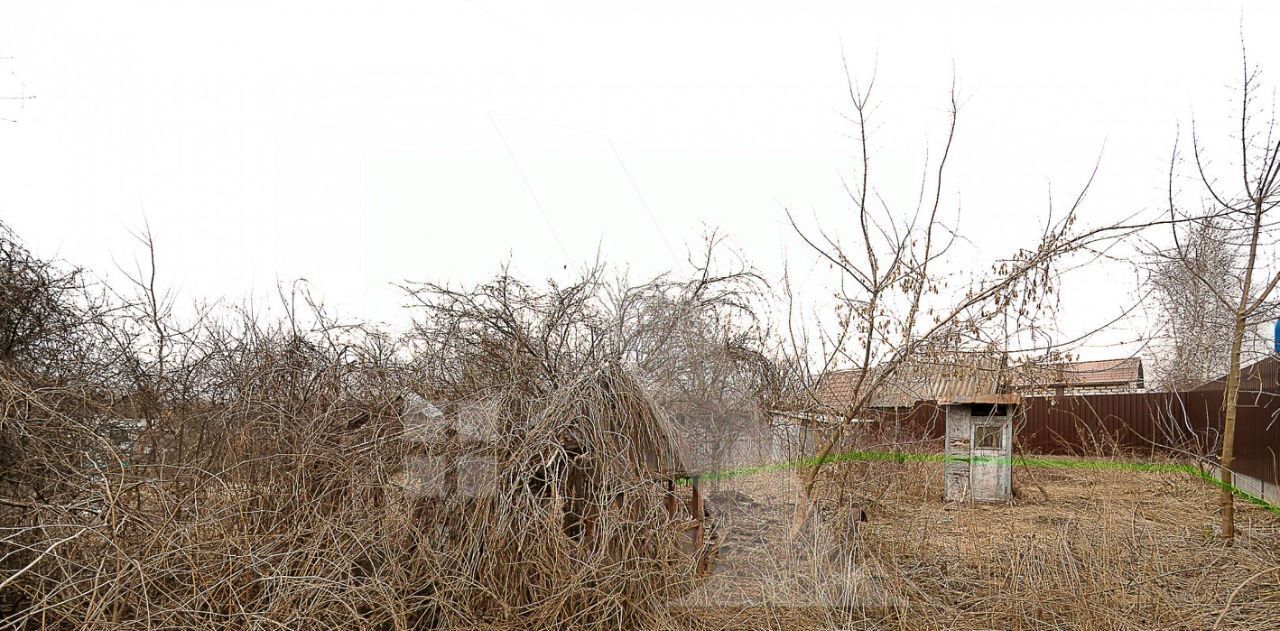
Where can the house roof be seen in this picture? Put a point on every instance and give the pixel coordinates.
(967, 376)
(1077, 374)
(939, 379)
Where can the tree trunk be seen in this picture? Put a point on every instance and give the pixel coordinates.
(1226, 495)
(1231, 396)
(805, 501)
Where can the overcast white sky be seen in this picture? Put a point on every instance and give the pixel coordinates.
(358, 144)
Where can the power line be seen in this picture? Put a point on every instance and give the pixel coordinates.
(644, 203)
(529, 186)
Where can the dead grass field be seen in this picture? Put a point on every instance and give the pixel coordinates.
(1103, 550)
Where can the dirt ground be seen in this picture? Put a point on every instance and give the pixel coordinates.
(1077, 549)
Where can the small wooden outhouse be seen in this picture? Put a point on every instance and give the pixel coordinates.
(979, 447)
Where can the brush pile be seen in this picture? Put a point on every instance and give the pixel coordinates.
(228, 470)
(567, 518)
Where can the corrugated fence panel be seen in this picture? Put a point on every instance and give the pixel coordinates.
(1140, 423)
(925, 421)
(1258, 438)
(1153, 422)
(1096, 424)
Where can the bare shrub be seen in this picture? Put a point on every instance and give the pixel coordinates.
(228, 468)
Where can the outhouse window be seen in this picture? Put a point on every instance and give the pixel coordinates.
(988, 437)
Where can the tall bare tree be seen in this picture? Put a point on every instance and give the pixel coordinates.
(907, 293)
(1243, 195)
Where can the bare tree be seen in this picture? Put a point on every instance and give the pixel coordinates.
(1243, 195)
(1194, 327)
(908, 296)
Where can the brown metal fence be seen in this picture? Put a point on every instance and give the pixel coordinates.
(926, 421)
(1140, 423)
(1110, 423)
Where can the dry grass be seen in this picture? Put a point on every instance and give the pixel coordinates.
(558, 521)
(254, 472)
(1106, 550)
(251, 473)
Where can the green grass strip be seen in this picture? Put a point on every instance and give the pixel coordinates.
(1064, 463)
(1252, 499)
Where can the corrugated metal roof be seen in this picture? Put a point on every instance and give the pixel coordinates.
(933, 380)
(962, 376)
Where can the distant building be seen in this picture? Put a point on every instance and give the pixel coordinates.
(961, 375)
(974, 375)
(1106, 376)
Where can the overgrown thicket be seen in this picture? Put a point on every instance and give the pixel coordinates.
(693, 343)
(503, 464)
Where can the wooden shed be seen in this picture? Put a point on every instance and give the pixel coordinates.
(979, 447)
